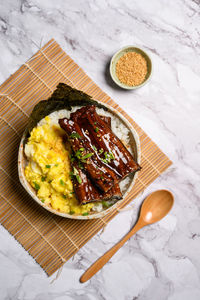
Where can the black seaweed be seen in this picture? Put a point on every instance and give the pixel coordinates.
(64, 97)
(73, 97)
(67, 93)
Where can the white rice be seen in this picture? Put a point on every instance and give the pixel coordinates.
(119, 129)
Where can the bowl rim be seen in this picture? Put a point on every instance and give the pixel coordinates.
(97, 215)
(120, 84)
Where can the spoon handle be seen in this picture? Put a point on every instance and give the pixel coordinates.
(97, 265)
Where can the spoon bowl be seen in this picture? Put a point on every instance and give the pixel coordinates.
(156, 206)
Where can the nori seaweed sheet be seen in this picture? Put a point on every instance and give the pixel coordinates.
(64, 97)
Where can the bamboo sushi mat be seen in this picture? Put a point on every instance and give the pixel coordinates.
(50, 239)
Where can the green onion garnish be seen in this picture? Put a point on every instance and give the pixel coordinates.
(80, 165)
(85, 214)
(87, 155)
(75, 171)
(78, 178)
(72, 212)
(42, 200)
(78, 154)
(95, 149)
(48, 166)
(43, 178)
(37, 186)
(96, 129)
(64, 196)
(112, 155)
(75, 135)
(62, 182)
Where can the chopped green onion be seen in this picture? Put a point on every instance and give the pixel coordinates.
(78, 154)
(42, 200)
(112, 155)
(96, 129)
(105, 161)
(72, 212)
(95, 149)
(37, 186)
(62, 182)
(87, 155)
(78, 178)
(48, 166)
(85, 214)
(102, 177)
(95, 123)
(75, 135)
(64, 197)
(81, 149)
(75, 171)
(80, 165)
(44, 178)
(56, 165)
(101, 150)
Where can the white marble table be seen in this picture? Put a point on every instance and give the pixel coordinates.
(162, 261)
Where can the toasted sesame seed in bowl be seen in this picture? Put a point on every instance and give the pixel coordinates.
(130, 67)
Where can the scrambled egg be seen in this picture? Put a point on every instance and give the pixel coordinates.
(48, 169)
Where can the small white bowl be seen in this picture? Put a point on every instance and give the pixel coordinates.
(135, 146)
(116, 58)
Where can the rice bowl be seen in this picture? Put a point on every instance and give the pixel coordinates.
(125, 132)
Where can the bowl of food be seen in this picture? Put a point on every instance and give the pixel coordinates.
(78, 158)
(131, 67)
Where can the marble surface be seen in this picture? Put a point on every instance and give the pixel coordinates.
(161, 261)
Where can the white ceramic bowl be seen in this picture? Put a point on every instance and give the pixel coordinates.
(135, 146)
(116, 58)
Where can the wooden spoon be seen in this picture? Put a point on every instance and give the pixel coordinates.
(155, 207)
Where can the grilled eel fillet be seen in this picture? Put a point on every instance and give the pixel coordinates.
(99, 173)
(86, 191)
(106, 145)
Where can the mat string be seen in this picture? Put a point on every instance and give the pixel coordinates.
(150, 163)
(26, 64)
(9, 98)
(12, 127)
(48, 59)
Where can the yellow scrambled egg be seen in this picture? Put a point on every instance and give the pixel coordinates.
(48, 169)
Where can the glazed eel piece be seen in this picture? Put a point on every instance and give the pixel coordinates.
(99, 173)
(106, 119)
(86, 191)
(107, 146)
